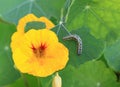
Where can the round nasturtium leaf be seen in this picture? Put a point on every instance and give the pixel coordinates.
(15, 9)
(101, 16)
(89, 74)
(112, 56)
(92, 48)
(32, 81)
(8, 73)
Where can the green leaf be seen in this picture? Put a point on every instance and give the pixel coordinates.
(16, 9)
(89, 74)
(8, 74)
(32, 81)
(111, 38)
(65, 10)
(18, 83)
(101, 16)
(34, 25)
(92, 47)
(112, 55)
(25, 81)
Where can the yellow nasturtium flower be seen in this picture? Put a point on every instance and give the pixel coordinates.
(37, 52)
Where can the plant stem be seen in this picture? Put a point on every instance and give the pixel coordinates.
(39, 82)
(25, 80)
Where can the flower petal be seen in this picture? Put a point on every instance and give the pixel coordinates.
(30, 18)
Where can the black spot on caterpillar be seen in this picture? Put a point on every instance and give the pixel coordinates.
(76, 38)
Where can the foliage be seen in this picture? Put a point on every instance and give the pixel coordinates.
(97, 22)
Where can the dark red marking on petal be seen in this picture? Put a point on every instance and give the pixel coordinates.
(39, 51)
(33, 47)
(43, 46)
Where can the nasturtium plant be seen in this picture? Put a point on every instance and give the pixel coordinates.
(89, 30)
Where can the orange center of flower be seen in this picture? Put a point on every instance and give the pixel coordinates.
(39, 51)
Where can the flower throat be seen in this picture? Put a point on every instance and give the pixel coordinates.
(40, 51)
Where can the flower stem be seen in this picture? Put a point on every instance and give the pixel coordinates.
(25, 80)
(39, 82)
